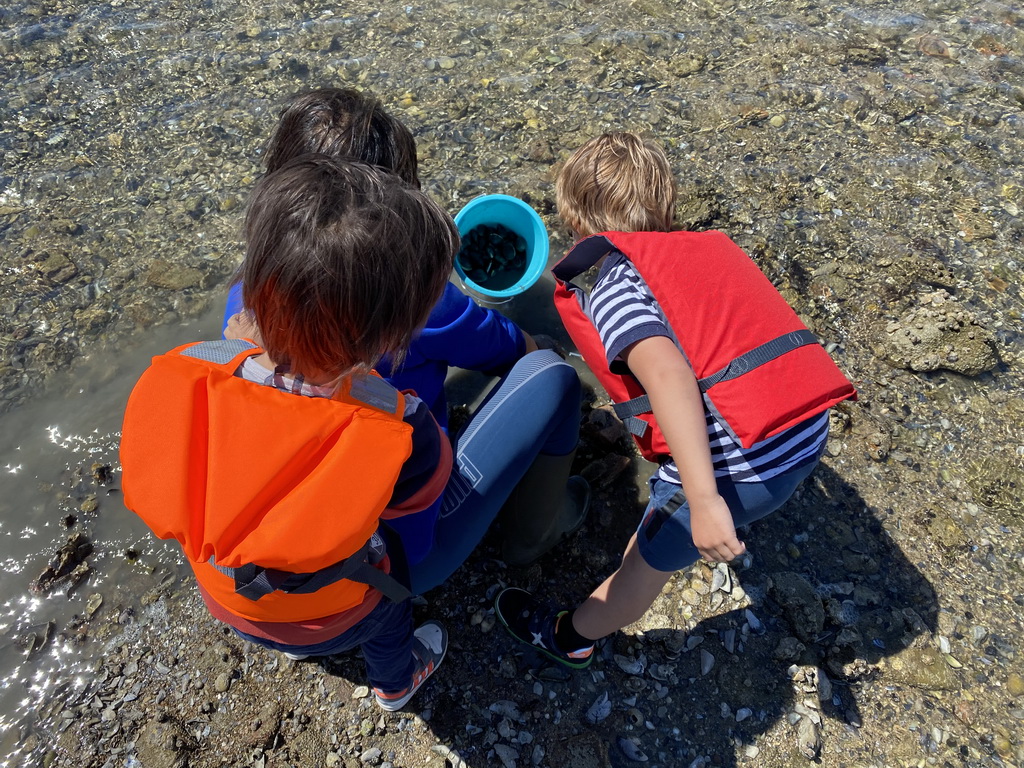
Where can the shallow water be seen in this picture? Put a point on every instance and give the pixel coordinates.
(866, 153)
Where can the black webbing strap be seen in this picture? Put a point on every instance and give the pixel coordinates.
(628, 412)
(748, 361)
(758, 356)
(254, 582)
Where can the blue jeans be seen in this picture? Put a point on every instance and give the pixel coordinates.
(385, 637)
(664, 538)
(534, 409)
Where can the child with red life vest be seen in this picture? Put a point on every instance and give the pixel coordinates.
(275, 465)
(719, 381)
(346, 123)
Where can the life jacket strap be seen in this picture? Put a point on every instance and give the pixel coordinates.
(253, 581)
(758, 356)
(628, 412)
(748, 361)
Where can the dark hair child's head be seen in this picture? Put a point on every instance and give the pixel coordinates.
(343, 123)
(343, 263)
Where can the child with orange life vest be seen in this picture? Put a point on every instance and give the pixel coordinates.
(274, 465)
(345, 123)
(714, 374)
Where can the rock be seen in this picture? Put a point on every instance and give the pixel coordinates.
(371, 756)
(922, 668)
(66, 564)
(508, 755)
(173, 277)
(1015, 684)
(942, 335)
(789, 650)
(159, 745)
(801, 606)
(686, 64)
(222, 682)
(58, 267)
(603, 472)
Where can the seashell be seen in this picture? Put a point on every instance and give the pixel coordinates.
(720, 578)
(600, 709)
(631, 666)
(452, 759)
(636, 717)
(360, 692)
(729, 640)
(661, 672)
(707, 662)
(693, 641)
(506, 708)
(824, 686)
(631, 750)
(743, 713)
(93, 604)
(755, 623)
(808, 738)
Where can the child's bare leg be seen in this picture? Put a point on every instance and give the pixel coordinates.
(623, 597)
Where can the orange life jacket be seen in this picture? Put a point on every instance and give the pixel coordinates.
(273, 496)
(760, 369)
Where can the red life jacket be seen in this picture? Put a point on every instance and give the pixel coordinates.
(760, 369)
(274, 497)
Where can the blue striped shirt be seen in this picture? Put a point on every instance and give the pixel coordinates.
(625, 311)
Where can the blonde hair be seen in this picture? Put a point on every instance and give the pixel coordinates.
(616, 182)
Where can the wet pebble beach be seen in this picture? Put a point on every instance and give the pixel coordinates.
(866, 154)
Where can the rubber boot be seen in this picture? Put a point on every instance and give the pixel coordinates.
(546, 506)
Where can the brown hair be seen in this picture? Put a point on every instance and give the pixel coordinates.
(616, 182)
(342, 122)
(343, 263)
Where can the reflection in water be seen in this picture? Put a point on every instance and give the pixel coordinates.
(59, 443)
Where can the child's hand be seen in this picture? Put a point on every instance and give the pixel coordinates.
(242, 326)
(713, 531)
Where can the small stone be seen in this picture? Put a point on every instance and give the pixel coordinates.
(371, 755)
(1015, 684)
(222, 683)
(777, 121)
(446, 62)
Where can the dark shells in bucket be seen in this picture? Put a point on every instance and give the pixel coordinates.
(492, 256)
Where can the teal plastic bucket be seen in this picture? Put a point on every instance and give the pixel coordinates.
(521, 219)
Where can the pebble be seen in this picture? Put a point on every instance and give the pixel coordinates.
(1015, 684)
(222, 683)
(371, 756)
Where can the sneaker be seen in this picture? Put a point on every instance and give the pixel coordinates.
(296, 656)
(430, 642)
(530, 621)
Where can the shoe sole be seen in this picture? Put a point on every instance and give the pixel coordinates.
(563, 661)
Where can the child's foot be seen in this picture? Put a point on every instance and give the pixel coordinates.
(430, 641)
(530, 621)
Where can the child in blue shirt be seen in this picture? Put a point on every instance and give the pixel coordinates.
(345, 123)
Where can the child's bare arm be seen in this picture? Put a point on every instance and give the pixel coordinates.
(676, 401)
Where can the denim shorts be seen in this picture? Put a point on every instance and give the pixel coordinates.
(664, 536)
